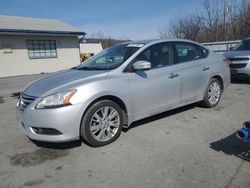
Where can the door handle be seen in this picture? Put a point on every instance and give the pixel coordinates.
(205, 68)
(173, 75)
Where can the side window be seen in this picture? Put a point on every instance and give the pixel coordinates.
(187, 52)
(158, 55)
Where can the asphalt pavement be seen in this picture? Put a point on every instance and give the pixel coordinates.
(13, 85)
(187, 147)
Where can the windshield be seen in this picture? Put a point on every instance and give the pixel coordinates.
(109, 58)
(242, 45)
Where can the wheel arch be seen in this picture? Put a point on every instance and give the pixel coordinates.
(220, 79)
(112, 98)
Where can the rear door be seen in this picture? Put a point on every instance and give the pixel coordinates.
(194, 70)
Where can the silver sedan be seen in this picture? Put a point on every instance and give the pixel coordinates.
(120, 85)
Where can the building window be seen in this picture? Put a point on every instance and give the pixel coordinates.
(39, 49)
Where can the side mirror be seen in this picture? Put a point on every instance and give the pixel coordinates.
(230, 48)
(142, 65)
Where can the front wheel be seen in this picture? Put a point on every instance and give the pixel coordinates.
(212, 94)
(102, 123)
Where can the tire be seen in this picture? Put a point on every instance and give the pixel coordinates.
(212, 94)
(102, 123)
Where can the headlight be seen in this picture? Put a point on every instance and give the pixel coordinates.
(57, 100)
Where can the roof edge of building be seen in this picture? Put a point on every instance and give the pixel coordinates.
(77, 33)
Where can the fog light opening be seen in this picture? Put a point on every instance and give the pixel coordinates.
(46, 131)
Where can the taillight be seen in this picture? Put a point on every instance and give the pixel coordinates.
(226, 61)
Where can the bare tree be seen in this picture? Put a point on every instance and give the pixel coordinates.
(234, 11)
(220, 20)
(238, 19)
(107, 42)
(97, 34)
(243, 20)
(192, 26)
(213, 19)
(185, 27)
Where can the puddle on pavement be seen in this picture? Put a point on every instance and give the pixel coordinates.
(33, 183)
(1, 100)
(37, 157)
(59, 168)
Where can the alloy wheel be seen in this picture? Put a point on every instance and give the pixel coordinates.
(104, 123)
(214, 92)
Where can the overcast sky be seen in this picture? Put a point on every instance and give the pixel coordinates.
(121, 19)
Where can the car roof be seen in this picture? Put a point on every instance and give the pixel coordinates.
(154, 41)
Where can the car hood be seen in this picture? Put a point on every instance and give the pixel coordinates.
(233, 54)
(60, 81)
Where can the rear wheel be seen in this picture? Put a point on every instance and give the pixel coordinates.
(102, 123)
(213, 93)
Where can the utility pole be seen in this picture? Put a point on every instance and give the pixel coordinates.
(226, 10)
(225, 7)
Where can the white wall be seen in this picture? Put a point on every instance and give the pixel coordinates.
(18, 62)
(90, 48)
(221, 47)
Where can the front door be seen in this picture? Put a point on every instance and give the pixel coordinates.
(157, 89)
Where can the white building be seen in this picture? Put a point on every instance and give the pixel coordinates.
(32, 46)
(90, 46)
(222, 46)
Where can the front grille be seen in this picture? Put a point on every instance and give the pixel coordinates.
(238, 65)
(25, 101)
(239, 59)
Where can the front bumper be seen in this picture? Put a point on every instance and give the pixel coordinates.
(66, 120)
(245, 71)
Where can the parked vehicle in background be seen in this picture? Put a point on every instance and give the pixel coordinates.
(85, 56)
(239, 57)
(118, 86)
